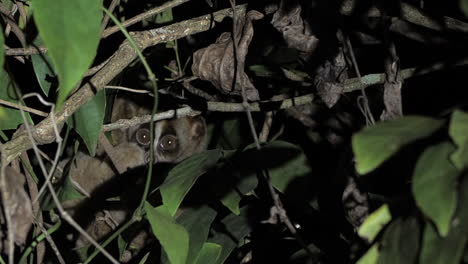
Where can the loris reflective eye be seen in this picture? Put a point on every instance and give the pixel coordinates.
(168, 143)
(143, 136)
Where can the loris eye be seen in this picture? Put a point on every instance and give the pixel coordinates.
(168, 143)
(143, 136)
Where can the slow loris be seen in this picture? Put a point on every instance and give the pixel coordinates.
(174, 141)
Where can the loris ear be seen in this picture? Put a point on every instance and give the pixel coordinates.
(197, 127)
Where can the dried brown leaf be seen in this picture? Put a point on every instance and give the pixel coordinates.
(296, 32)
(215, 63)
(329, 80)
(392, 92)
(17, 204)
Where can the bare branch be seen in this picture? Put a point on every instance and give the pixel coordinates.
(142, 16)
(24, 108)
(25, 51)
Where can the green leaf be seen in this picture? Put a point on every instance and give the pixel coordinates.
(9, 118)
(144, 258)
(263, 71)
(232, 134)
(449, 249)
(164, 17)
(173, 237)
(295, 75)
(232, 198)
(312, 255)
(121, 244)
(435, 185)
(235, 228)
(209, 253)
(43, 71)
(183, 176)
(71, 31)
(374, 145)
(374, 223)
(371, 256)
(197, 222)
(290, 162)
(464, 7)
(87, 120)
(401, 242)
(458, 130)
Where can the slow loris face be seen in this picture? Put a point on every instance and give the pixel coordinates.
(175, 140)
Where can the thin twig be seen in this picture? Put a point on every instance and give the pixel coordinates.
(365, 109)
(14, 27)
(52, 244)
(25, 51)
(198, 92)
(129, 89)
(143, 16)
(111, 8)
(266, 127)
(24, 108)
(211, 106)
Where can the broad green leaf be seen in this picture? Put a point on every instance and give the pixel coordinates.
(9, 118)
(438, 250)
(246, 184)
(235, 228)
(448, 250)
(210, 3)
(374, 145)
(144, 258)
(291, 165)
(232, 134)
(285, 163)
(43, 68)
(303, 256)
(263, 71)
(183, 176)
(435, 185)
(209, 253)
(295, 75)
(400, 242)
(71, 31)
(458, 130)
(374, 223)
(43, 71)
(87, 121)
(464, 7)
(121, 244)
(197, 222)
(236, 181)
(173, 237)
(164, 17)
(371, 256)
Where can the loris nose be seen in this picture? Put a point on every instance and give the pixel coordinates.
(148, 158)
